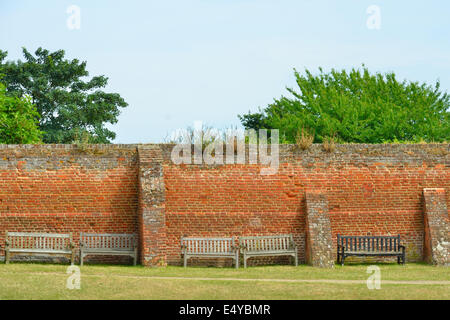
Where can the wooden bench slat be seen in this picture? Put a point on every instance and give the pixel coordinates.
(33, 234)
(39, 251)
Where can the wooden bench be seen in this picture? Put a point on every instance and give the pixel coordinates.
(108, 244)
(210, 248)
(39, 244)
(279, 245)
(369, 246)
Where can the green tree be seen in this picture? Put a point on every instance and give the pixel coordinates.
(68, 103)
(357, 106)
(19, 120)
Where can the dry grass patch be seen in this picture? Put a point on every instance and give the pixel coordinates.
(304, 139)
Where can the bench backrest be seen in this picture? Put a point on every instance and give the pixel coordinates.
(113, 241)
(38, 241)
(369, 243)
(208, 245)
(275, 243)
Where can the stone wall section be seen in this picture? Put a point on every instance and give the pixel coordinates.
(437, 231)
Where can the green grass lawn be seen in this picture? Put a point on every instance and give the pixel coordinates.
(48, 281)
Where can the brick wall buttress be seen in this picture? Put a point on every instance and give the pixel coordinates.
(436, 222)
(152, 215)
(319, 244)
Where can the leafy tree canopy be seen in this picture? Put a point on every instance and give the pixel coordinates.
(19, 120)
(359, 107)
(68, 103)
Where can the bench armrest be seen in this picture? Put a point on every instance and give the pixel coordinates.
(6, 244)
(242, 247)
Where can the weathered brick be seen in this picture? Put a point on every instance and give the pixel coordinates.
(371, 190)
(319, 243)
(437, 231)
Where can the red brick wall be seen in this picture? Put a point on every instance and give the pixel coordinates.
(55, 189)
(230, 200)
(376, 193)
(373, 190)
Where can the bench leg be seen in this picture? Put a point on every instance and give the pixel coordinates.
(135, 257)
(185, 261)
(342, 256)
(72, 257)
(296, 259)
(245, 261)
(236, 260)
(7, 256)
(81, 258)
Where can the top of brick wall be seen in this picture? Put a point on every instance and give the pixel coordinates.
(51, 150)
(358, 153)
(344, 152)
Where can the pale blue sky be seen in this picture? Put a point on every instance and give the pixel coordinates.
(176, 62)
